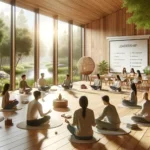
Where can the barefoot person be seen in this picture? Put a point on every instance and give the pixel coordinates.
(42, 85)
(132, 98)
(144, 115)
(24, 87)
(110, 115)
(67, 82)
(35, 108)
(83, 119)
(6, 103)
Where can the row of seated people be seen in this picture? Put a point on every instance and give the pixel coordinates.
(84, 118)
(42, 84)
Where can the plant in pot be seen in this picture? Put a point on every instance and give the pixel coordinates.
(146, 71)
(103, 67)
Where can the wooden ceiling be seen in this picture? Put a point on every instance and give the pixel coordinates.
(79, 11)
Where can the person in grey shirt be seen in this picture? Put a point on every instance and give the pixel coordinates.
(110, 115)
(132, 98)
(144, 115)
(67, 82)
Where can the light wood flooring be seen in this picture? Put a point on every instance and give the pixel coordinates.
(18, 139)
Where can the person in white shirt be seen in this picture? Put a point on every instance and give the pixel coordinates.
(117, 84)
(42, 85)
(34, 110)
(97, 83)
(67, 82)
(132, 98)
(110, 116)
(83, 119)
(144, 115)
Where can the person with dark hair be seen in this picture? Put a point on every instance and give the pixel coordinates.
(132, 72)
(124, 75)
(42, 85)
(23, 86)
(35, 108)
(97, 83)
(117, 84)
(110, 116)
(132, 98)
(138, 78)
(144, 115)
(6, 102)
(67, 82)
(83, 119)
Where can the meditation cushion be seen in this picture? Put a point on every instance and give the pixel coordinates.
(60, 103)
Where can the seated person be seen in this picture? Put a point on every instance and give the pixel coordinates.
(112, 118)
(97, 83)
(124, 75)
(137, 79)
(83, 119)
(6, 103)
(132, 98)
(117, 84)
(42, 85)
(144, 115)
(132, 72)
(34, 109)
(23, 86)
(67, 82)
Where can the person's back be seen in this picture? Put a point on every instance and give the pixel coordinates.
(33, 110)
(84, 125)
(112, 114)
(133, 97)
(42, 82)
(5, 99)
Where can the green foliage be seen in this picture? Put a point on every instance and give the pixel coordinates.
(147, 70)
(140, 12)
(1, 29)
(103, 67)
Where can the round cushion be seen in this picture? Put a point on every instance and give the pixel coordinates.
(60, 103)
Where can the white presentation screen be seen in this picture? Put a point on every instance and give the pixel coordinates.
(128, 54)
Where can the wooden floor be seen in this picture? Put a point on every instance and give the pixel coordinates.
(18, 139)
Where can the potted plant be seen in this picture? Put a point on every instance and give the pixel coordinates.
(146, 70)
(103, 67)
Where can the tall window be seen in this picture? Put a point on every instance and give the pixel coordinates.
(25, 44)
(77, 51)
(5, 13)
(63, 50)
(46, 47)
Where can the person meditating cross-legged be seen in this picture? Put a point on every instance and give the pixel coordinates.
(83, 119)
(117, 84)
(110, 116)
(144, 115)
(24, 87)
(42, 85)
(97, 83)
(34, 109)
(6, 103)
(67, 82)
(132, 98)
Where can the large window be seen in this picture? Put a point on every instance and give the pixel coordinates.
(25, 44)
(5, 13)
(46, 47)
(77, 51)
(63, 50)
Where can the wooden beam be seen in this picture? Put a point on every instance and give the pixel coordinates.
(36, 46)
(55, 51)
(13, 45)
(70, 49)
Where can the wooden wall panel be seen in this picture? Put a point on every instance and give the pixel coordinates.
(111, 25)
